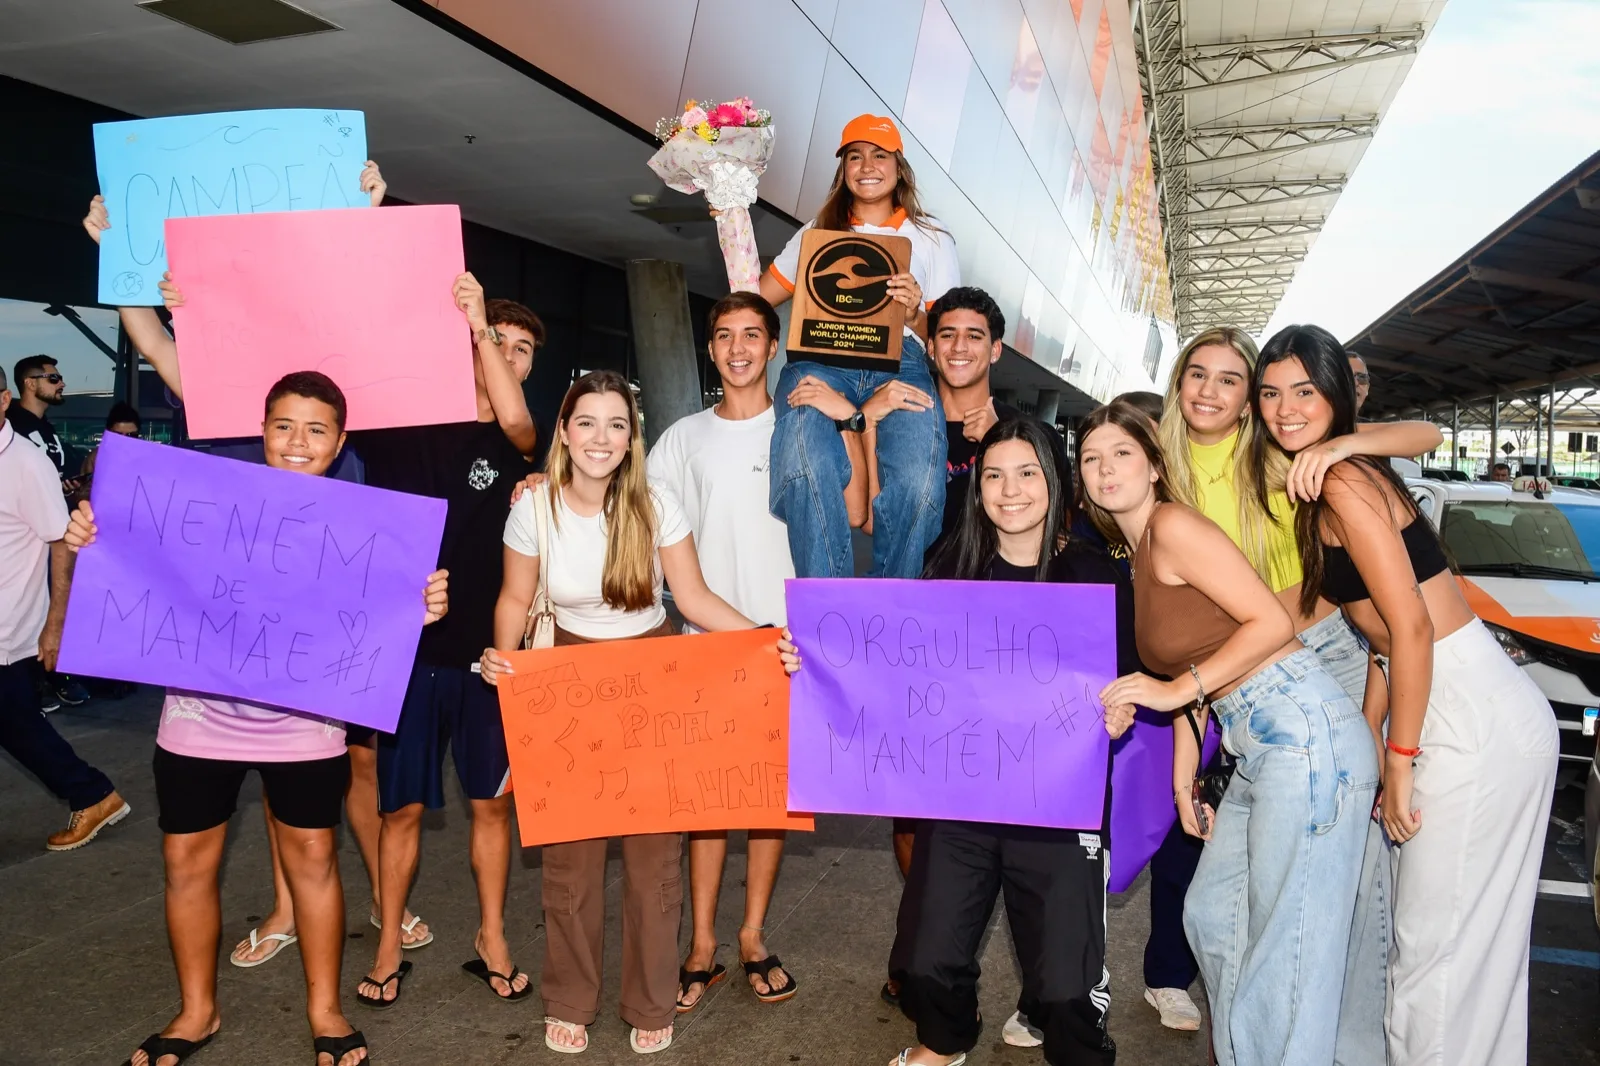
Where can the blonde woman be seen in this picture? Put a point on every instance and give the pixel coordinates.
(1208, 439)
(611, 539)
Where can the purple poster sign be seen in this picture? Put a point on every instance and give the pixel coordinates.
(970, 700)
(1141, 792)
(257, 584)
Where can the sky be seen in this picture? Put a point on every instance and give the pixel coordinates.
(26, 330)
(1503, 99)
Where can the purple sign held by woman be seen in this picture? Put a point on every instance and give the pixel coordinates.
(968, 700)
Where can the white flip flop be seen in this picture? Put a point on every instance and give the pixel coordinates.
(377, 923)
(256, 940)
(573, 1029)
(640, 1049)
(901, 1061)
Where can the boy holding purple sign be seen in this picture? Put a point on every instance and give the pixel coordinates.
(204, 748)
(1054, 880)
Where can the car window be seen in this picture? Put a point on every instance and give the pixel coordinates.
(1536, 532)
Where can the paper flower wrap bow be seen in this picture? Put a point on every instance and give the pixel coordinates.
(725, 162)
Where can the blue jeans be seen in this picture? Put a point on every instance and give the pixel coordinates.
(810, 469)
(1269, 912)
(28, 737)
(1361, 1040)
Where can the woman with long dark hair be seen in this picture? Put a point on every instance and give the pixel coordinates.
(609, 540)
(897, 409)
(1269, 910)
(1054, 879)
(1208, 438)
(1471, 743)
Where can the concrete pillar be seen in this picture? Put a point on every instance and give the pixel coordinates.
(1550, 428)
(1494, 435)
(1049, 403)
(1455, 435)
(663, 340)
(780, 360)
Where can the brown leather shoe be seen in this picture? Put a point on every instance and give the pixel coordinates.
(85, 824)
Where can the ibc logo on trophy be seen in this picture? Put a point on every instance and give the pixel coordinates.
(842, 304)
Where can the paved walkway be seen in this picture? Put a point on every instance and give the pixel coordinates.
(85, 974)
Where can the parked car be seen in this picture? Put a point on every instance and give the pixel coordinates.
(1577, 482)
(1434, 473)
(1526, 560)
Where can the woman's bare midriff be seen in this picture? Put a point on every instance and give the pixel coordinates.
(1441, 594)
(1282, 653)
(1290, 598)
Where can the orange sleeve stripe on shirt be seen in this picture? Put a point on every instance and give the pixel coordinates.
(779, 278)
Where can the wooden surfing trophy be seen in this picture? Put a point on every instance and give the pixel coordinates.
(842, 306)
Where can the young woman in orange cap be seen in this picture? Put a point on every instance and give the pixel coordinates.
(874, 191)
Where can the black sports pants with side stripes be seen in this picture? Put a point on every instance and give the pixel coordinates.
(1054, 881)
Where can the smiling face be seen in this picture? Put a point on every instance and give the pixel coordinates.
(1117, 474)
(1294, 412)
(870, 172)
(741, 348)
(1213, 392)
(597, 434)
(963, 351)
(1016, 496)
(301, 434)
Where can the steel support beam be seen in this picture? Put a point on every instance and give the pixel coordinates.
(1575, 290)
(1209, 197)
(1239, 63)
(1213, 144)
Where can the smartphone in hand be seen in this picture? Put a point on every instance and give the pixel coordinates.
(1200, 819)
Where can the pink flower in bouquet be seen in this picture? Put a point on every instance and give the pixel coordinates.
(694, 116)
(730, 114)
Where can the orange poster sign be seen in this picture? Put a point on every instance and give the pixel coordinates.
(660, 735)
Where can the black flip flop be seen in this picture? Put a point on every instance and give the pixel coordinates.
(378, 1002)
(887, 994)
(340, 1046)
(687, 977)
(480, 969)
(156, 1046)
(763, 970)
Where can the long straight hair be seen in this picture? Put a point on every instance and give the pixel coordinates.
(628, 582)
(967, 553)
(840, 203)
(1327, 367)
(1251, 483)
(1128, 416)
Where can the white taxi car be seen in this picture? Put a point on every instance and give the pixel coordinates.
(1527, 554)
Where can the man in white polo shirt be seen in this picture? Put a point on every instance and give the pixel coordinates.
(33, 518)
(715, 464)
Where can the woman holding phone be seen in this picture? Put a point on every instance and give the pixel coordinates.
(1470, 756)
(1269, 910)
(611, 540)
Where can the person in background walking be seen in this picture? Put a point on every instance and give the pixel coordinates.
(33, 520)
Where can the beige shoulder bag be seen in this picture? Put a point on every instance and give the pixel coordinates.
(540, 629)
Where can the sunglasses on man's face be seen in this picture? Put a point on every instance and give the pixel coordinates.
(1363, 379)
(54, 379)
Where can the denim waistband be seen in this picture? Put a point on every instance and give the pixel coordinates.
(1330, 631)
(1292, 668)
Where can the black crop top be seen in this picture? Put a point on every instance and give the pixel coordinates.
(1341, 581)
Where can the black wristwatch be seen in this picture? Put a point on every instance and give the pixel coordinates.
(856, 423)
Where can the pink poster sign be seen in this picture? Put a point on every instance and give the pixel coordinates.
(363, 296)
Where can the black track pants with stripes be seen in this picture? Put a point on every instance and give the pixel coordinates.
(1054, 881)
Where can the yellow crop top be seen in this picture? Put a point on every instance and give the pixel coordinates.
(1213, 466)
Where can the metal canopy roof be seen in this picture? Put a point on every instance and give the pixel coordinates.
(1518, 313)
(1260, 111)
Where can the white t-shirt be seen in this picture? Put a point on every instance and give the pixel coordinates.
(933, 255)
(578, 561)
(32, 514)
(717, 468)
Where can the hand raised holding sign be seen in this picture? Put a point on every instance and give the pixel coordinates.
(372, 183)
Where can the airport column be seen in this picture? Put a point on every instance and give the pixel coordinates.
(663, 340)
(1048, 406)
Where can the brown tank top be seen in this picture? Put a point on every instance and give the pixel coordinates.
(1175, 626)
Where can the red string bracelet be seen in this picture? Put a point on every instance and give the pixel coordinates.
(1410, 753)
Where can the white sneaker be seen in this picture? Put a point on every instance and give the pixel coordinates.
(1019, 1032)
(1177, 1009)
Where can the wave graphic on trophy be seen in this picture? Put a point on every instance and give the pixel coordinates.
(721, 150)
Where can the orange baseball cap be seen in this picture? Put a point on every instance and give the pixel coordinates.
(873, 129)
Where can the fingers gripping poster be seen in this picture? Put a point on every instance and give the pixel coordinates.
(659, 735)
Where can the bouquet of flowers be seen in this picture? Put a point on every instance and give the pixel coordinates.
(721, 150)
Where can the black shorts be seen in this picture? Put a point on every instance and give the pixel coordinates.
(193, 795)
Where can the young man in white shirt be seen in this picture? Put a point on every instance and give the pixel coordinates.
(33, 518)
(715, 464)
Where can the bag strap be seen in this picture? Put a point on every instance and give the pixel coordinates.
(541, 511)
(1200, 741)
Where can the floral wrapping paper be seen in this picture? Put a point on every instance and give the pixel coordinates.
(727, 171)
